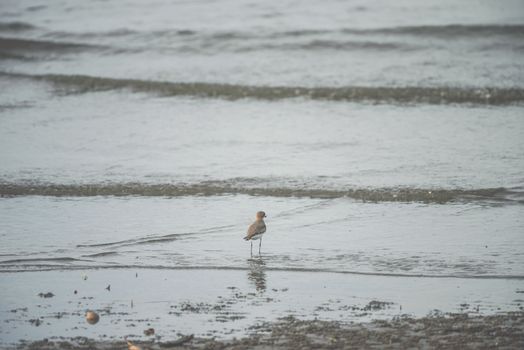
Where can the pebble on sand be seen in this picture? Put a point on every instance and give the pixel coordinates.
(92, 317)
(131, 346)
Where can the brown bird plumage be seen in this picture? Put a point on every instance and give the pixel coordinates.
(256, 230)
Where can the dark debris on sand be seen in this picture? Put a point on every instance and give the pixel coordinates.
(452, 331)
(46, 295)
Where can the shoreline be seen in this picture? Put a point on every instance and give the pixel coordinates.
(452, 331)
(228, 305)
(55, 268)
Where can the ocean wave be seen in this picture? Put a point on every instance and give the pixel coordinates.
(140, 241)
(17, 45)
(443, 31)
(152, 239)
(15, 57)
(188, 40)
(333, 44)
(124, 32)
(235, 187)
(39, 260)
(206, 44)
(376, 94)
(15, 26)
(102, 254)
(447, 31)
(340, 45)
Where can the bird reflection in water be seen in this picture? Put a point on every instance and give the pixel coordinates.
(257, 273)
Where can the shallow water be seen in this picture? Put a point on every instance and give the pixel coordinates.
(110, 137)
(337, 235)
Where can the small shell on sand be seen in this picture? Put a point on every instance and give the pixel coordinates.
(131, 346)
(92, 317)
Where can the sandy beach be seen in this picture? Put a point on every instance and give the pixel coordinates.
(257, 307)
(457, 331)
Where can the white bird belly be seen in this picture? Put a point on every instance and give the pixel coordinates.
(257, 236)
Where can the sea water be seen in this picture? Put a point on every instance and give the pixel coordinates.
(381, 138)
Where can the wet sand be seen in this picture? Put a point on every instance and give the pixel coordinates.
(256, 307)
(452, 331)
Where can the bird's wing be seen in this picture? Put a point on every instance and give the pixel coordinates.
(252, 230)
(255, 228)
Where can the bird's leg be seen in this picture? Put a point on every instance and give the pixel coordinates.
(251, 248)
(259, 245)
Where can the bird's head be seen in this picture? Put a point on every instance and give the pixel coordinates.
(261, 215)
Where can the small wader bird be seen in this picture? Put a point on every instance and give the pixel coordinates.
(256, 230)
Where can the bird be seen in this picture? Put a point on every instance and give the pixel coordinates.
(256, 230)
(92, 317)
